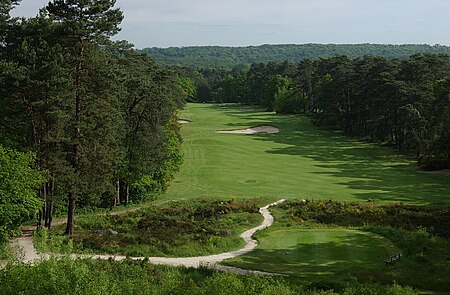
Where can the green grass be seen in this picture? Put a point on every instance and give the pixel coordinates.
(304, 252)
(299, 162)
(341, 243)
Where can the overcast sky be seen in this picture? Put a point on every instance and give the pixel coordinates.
(164, 23)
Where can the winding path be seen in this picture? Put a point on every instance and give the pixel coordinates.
(30, 255)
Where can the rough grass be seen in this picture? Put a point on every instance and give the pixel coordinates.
(178, 229)
(299, 162)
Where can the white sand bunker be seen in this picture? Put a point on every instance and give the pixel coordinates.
(254, 130)
(183, 121)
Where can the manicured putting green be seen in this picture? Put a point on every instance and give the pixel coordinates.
(300, 162)
(305, 252)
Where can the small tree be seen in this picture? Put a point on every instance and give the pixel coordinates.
(18, 184)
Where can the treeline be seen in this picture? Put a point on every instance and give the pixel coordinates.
(400, 102)
(228, 57)
(99, 117)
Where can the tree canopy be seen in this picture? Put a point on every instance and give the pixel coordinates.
(220, 57)
(99, 116)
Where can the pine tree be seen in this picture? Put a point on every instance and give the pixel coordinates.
(82, 22)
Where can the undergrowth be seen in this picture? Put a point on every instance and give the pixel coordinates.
(182, 228)
(80, 277)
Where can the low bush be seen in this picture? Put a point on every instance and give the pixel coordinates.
(90, 277)
(189, 228)
(434, 219)
(430, 163)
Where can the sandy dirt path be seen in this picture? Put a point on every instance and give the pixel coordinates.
(24, 249)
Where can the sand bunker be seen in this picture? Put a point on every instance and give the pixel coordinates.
(255, 130)
(183, 121)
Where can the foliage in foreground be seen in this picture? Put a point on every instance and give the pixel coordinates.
(108, 277)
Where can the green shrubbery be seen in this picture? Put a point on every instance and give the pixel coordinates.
(91, 277)
(435, 219)
(431, 163)
(18, 184)
(174, 229)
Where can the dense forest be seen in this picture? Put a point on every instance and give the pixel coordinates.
(84, 121)
(229, 57)
(404, 103)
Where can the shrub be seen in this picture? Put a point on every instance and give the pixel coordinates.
(431, 163)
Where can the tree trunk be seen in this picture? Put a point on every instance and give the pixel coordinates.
(116, 199)
(50, 200)
(39, 219)
(49, 205)
(77, 137)
(127, 193)
(46, 193)
(70, 215)
(49, 217)
(43, 211)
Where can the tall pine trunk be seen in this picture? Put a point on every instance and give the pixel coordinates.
(127, 193)
(49, 204)
(116, 199)
(77, 137)
(70, 214)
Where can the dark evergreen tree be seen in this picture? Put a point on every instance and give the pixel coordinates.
(151, 99)
(82, 23)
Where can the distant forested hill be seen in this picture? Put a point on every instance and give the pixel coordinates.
(228, 57)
